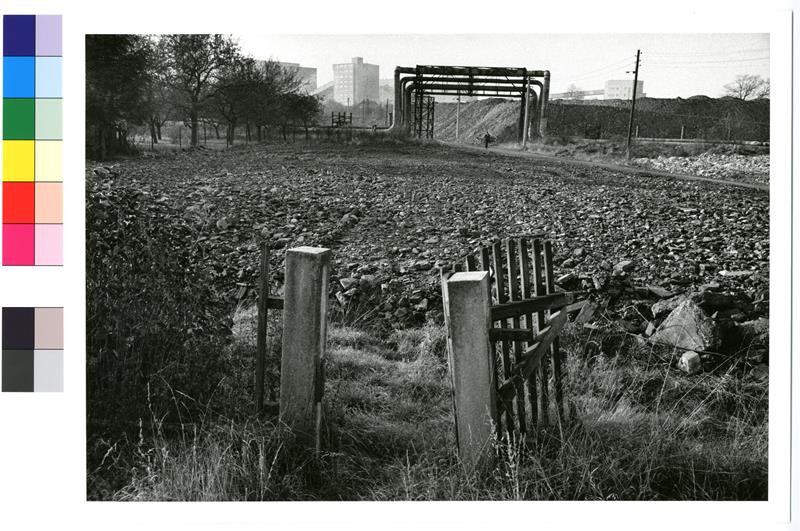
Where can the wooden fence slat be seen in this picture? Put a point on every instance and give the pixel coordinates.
(486, 265)
(527, 293)
(535, 355)
(539, 290)
(497, 259)
(550, 301)
(511, 334)
(514, 294)
(469, 261)
(555, 350)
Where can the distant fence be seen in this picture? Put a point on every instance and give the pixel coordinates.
(502, 340)
(690, 119)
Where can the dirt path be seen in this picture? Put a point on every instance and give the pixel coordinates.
(606, 165)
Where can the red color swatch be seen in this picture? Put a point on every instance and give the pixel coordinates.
(18, 202)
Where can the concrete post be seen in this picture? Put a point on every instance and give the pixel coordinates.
(304, 337)
(467, 316)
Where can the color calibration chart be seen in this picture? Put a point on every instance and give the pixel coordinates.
(32, 138)
(33, 350)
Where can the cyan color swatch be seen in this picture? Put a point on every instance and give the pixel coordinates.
(48, 77)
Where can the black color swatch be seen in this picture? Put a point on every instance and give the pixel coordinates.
(18, 328)
(17, 370)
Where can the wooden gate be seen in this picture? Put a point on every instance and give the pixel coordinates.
(526, 312)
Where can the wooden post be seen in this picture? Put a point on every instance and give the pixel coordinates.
(261, 340)
(683, 130)
(467, 314)
(304, 337)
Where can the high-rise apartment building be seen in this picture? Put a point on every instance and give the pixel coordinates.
(307, 76)
(355, 82)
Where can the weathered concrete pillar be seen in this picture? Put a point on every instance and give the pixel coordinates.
(304, 338)
(466, 306)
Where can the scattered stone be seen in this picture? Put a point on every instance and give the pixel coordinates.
(736, 274)
(690, 362)
(687, 327)
(368, 280)
(565, 279)
(223, 224)
(660, 292)
(348, 283)
(586, 313)
(624, 266)
(422, 265)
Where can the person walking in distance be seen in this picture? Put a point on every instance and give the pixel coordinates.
(486, 139)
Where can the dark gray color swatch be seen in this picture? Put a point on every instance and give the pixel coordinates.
(17, 370)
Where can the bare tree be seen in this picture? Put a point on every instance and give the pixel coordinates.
(194, 63)
(747, 86)
(764, 90)
(574, 92)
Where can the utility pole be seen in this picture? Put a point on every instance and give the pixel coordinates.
(633, 104)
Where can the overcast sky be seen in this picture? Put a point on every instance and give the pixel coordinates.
(672, 64)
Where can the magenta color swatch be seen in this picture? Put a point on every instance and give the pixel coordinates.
(18, 244)
(48, 35)
(49, 244)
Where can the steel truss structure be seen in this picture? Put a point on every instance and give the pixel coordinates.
(532, 87)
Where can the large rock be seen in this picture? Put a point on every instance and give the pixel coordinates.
(688, 327)
(662, 308)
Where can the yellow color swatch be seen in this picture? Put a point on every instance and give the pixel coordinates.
(18, 160)
(48, 160)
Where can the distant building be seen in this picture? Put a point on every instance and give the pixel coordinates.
(308, 76)
(355, 82)
(621, 89)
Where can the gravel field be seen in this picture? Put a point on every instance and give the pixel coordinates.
(394, 212)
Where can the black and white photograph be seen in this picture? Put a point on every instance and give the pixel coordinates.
(364, 266)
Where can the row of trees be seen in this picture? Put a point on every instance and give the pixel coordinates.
(136, 80)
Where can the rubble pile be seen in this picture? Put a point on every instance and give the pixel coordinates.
(750, 168)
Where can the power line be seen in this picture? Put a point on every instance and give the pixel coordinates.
(669, 63)
(617, 64)
(700, 54)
